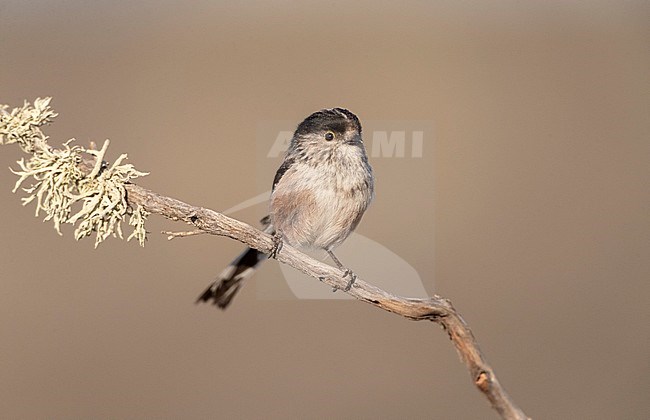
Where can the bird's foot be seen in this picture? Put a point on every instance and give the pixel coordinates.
(353, 277)
(277, 245)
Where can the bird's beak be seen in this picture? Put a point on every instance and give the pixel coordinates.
(356, 139)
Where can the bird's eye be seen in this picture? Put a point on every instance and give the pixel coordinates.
(329, 136)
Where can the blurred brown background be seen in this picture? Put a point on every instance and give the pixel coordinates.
(541, 202)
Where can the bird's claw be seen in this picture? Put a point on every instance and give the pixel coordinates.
(353, 278)
(277, 246)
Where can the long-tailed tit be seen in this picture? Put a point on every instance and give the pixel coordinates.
(320, 192)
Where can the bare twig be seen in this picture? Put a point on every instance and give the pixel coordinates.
(174, 235)
(435, 308)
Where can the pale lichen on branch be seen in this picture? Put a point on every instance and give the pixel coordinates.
(22, 125)
(59, 183)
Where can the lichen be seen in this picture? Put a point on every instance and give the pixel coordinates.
(103, 199)
(22, 125)
(137, 219)
(59, 184)
(56, 175)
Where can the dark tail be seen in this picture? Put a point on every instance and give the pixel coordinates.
(231, 279)
(221, 292)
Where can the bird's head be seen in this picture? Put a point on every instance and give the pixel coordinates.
(326, 131)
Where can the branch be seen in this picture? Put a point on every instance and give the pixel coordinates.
(63, 177)
(174, 235)
(435, 308)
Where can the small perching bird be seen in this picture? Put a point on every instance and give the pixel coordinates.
(319, 194)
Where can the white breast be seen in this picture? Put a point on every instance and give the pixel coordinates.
(319, 206)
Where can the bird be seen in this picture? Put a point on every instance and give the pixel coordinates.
(320, 193)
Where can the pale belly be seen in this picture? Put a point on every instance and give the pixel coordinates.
(322, 217)
(319, 206)
(324, 224)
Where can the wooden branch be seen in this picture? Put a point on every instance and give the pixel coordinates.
(174, 235)
(435, 308)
